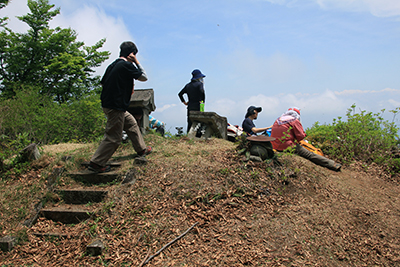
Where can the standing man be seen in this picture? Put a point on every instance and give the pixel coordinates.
(195, 93)
(248, 125)
(118, 86)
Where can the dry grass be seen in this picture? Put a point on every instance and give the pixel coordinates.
(250, 214)
(64, 148)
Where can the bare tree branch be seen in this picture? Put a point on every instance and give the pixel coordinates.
(169, 244)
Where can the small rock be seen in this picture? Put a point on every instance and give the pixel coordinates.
(130, 177)
(95, 248)
(255, 158)
(140, 161)
(30, 153)
(66, 158)
(7, 243)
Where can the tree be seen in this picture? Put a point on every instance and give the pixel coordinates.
(3, 3)
(49, 59)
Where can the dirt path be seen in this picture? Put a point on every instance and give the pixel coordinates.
(352, 216)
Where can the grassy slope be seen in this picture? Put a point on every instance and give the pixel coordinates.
(247, 213)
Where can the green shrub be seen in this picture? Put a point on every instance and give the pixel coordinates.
(364, 136)
(9, 152)
(46, 121)
(82, 121)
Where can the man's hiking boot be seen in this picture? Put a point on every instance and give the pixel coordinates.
(336, 167)
(145, 151)
(97, 168)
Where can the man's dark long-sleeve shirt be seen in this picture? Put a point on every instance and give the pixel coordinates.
(195, 93)
(118, 84)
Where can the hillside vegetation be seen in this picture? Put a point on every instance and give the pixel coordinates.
(247, 214)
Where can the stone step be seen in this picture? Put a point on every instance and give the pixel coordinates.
(67, 214)
(52, 235)
(82, 195)
(87, 176)
(110, 163)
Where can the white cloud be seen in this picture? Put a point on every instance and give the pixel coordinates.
(378, 8)
(322, 107)
(173, 116)
(90, 23)
(319, 107)
(165, 107)
(248, 69)
(13, 9)
(93, 24)
(394, 103)
(280, 2)
(273, 103)
(353, 92)
(229, 108)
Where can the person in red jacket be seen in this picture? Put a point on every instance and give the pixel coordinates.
(289, 131)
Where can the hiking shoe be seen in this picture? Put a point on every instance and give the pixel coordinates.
(145, 151)
(336, 167)
(97, 168)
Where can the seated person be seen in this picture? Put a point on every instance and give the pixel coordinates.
(288, 131)
(156, 124)
(248, 124)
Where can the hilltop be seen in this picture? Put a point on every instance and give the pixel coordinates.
(247, 213)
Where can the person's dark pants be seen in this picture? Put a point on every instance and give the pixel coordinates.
(315, 158)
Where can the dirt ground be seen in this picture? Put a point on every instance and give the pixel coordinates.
(242, 213)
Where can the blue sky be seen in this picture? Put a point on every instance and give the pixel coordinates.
(319, 55)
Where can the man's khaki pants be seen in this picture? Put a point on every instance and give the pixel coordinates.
(117, 121)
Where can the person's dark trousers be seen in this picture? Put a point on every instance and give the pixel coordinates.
(317, 159)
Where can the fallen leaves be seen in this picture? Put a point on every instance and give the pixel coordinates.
(246, 215)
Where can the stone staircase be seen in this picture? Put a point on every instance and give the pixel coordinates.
(75, 205)
(75, 208)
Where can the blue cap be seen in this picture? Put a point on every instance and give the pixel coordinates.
(197, 74)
